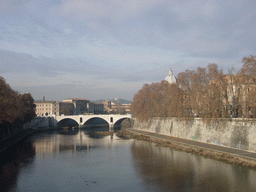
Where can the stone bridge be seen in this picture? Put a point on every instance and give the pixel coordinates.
(81, 120)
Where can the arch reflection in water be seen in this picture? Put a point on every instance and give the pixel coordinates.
(70, 140)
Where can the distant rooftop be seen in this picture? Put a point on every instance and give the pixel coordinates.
(76, 99)
(97, 103)
(45, 101)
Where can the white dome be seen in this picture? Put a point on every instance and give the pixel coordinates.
(171, 78)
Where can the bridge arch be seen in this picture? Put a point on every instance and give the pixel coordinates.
(121, 120)
(69, 122)
(96, 121)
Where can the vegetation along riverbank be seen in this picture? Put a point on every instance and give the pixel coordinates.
(206, 93)
(15, 110)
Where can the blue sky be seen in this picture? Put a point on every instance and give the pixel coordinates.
(110, 48)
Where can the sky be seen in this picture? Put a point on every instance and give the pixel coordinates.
(104, 49)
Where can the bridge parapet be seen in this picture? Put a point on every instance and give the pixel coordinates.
(111, 119)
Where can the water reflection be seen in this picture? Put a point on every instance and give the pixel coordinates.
(21, 156)
(77, 161)
(170, 170)
(68, 132)
(92, 132)
(71, 140)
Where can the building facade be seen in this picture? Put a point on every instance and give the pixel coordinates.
(116, 108)
(50, 108)
(80, 105)
(238, 95)
(95, 108)
(71, 106)
(107, 106)
(46, 108)
(241, 95)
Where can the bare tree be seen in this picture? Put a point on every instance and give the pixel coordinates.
(204, 92)
(249, 66)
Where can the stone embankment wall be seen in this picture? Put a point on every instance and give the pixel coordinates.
(40, 123)
(237, 133)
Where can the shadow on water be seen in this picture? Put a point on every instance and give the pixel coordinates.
(97, 132)
(169, 170)
(20, 155)
(68, 131)
(92, 132)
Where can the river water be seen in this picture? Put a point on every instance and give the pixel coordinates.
(83, 161)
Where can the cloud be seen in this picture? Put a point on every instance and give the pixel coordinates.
(110, 42)
(114, 11)
(109, 89)
(196, 28)
(45, 70)
(26, 63)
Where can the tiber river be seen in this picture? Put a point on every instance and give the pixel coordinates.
(81, 161)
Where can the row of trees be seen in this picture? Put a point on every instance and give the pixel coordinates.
(204, 92)
(15, 109)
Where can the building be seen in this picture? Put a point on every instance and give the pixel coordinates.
(238, 94)
(241, 95)
(72, 106)
(65, 108)
(98, 108)
(50, 108)
(90, 107)
(80, 105)
(46, 108)
(107, 106)
(171, 78)
(110, 107)
(95, 108)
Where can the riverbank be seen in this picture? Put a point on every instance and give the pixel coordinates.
(224, 154)
(8, 142)
(239, 133)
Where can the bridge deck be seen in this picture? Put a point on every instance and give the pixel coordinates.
(111, 119)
